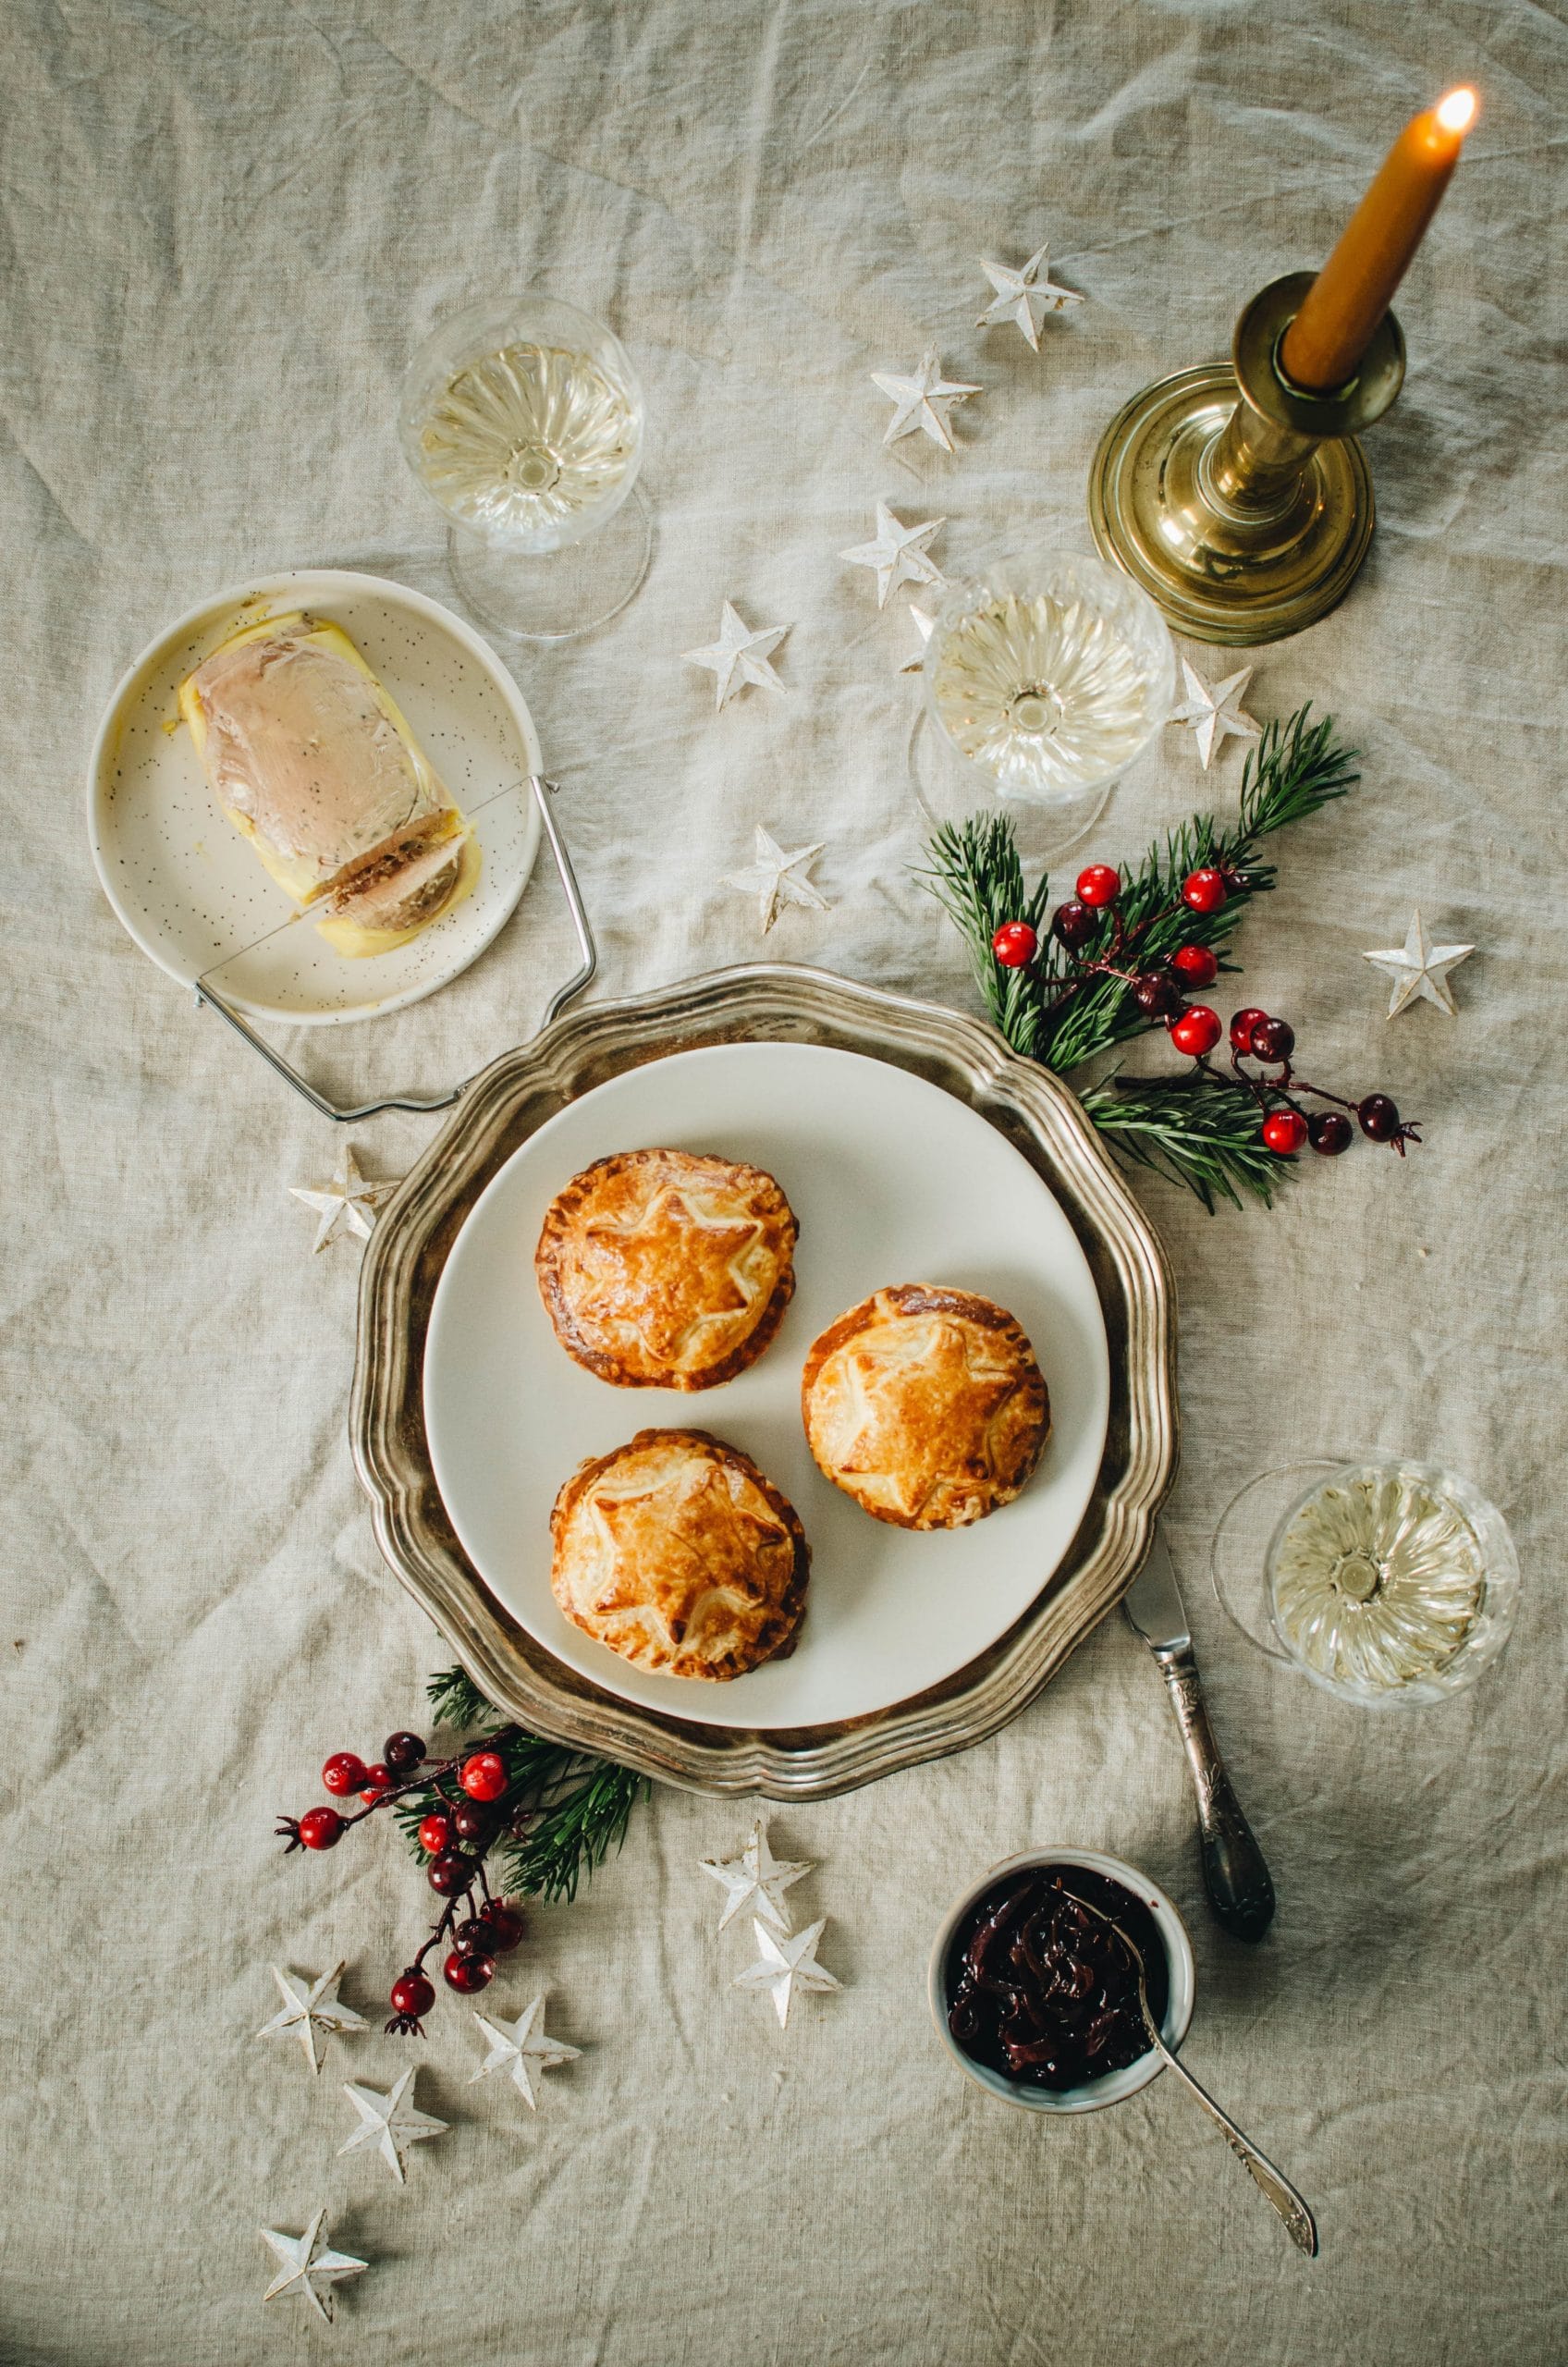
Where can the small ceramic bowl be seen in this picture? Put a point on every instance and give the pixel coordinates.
(1117, 2084)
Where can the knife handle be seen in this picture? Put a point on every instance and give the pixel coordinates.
(1237, 1877)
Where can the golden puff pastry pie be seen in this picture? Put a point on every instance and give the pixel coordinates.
(313, 764)
(679, 1554)
(926, 1405)
(663, 1269)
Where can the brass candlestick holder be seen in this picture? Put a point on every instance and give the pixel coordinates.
(1245, 520)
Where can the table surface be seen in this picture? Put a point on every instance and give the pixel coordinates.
(226, 228)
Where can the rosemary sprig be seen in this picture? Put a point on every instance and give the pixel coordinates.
(1197, 1129)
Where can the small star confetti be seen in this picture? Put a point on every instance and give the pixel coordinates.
(898, 556)
(389, 2122)
(757, 1879)
(1214, 715)
(785, 1963)
(1022, 296)
(348, 1199)
(777, 878)
(523, 2050)
(924, 621)
(308, 2262)
(1420, 970)
(924, 401)
(740, 657)
(309, 2007)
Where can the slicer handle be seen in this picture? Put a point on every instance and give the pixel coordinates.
(1240, 1888)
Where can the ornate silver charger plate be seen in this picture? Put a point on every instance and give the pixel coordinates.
(514, 1097)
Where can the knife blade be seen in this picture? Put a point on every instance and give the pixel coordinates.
(1235, 1873)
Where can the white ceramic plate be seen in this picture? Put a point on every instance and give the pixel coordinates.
(893, 1181)
(186, 885)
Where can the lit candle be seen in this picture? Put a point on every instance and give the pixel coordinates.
(1343, 308)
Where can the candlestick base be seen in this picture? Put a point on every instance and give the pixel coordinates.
(1242, 504)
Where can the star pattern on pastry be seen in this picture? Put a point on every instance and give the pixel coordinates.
(1024, 297)
(899, 553)
(757, 1879)
(924, 401)
(778, 877)
(913, 1407)
(1214, 713)
(309, 2006)
(1420, 970)
(391, 2122)
(708, 1545)
(787, 1962)
(349, 1200)
(924, 622)
(636, 1261)
(308, 2267)
(522, 2050)
(739, 657)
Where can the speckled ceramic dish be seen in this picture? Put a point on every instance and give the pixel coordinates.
(191, 891)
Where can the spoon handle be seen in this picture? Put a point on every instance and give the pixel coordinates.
(1292, 2208)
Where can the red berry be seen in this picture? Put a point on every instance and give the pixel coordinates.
(472, 1822)
(506, 1923)
(1273, 1040)
(1074, 926)
(1015, 945)
(1204, 891)
(1243, 1025)
(1284, 1131)
(1099, 885)
(411, 1993)
(449, 1873)
(466, 1974)
(378, 1779)
(403, 1752)
(434, 1834)
(1157, 994)
(1197, 1031)
(484, 1777)
(1195, 965)
(1330, 1134)
(344, 1773)
(321, 1828)
(476, 1938)
(1379, 1119)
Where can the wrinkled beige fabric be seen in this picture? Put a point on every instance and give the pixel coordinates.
(225, 227)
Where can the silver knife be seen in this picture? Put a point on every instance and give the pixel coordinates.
(1239, 1887)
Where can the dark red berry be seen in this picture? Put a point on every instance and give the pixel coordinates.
(1074, 926)
(1273, 1040)
(1284, 1131)
(471, 1822)
(1242, 1025)
(1204, 890)
(378, 1779)
(507, 1924)
(411, 1993)
(321, 1828)
(1195, 966)
(403, 1752)
(1157, 994)
(449, 1873)
(467, 1974)
(484, 1777)
(476, 1938)
(1099, 886)
(344, 1773)
(1329, 1132)
(1015, 945)
(434, 1834)
(1197, 1031)
(1379, 1119)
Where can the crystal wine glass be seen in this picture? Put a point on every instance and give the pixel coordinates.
(1042, 686)
(522, 420)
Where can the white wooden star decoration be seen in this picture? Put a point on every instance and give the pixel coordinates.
(1420, 970)
(787, 1963)
(778, 877)
(898, 556)
(757, 1879)
(1214, 715)
(523, 2050)
(1024, 297)
(308, 2267)
(739, 657)
(309, 2007)
(924, 401)
(391, 2122)
(346, 1200)
(924, 621)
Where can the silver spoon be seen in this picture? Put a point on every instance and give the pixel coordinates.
(1299, 2224)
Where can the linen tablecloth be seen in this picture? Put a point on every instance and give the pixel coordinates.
(225, 227)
